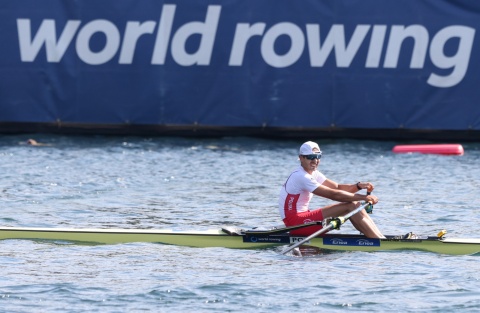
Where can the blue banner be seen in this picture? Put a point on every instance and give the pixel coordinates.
(316, 64)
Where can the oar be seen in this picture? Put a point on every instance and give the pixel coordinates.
(282, 230)
(369, 209)
(335, 223)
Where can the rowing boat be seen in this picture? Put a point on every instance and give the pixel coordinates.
(237, 238)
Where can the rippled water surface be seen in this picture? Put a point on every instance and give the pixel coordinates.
(131, 182)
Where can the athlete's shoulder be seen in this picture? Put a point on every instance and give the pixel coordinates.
(318, 176)
(300, 172)
(317, 173)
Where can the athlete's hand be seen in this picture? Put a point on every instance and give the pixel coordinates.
(366, 185)
(372, 199)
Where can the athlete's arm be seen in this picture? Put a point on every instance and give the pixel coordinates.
(353, 188)
(337, 194)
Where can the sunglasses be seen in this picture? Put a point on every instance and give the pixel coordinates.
(313, 156)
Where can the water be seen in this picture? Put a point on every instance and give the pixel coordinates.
(131, 182)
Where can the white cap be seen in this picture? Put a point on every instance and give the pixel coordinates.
(307, 148)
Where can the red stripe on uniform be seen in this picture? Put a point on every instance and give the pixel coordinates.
(290, 205)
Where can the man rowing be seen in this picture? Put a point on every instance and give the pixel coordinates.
(306, 181)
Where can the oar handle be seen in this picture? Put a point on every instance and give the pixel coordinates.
(369, 208)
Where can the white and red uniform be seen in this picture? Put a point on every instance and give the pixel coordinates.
(295, 196)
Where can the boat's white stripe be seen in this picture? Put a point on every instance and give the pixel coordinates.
(113, 230)
(462, 240)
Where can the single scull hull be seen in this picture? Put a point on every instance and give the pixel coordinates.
(240, 239)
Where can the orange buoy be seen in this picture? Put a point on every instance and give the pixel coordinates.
(443, 149)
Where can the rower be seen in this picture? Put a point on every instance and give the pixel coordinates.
(306, 181)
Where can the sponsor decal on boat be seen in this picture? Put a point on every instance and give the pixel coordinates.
(351, 242)
(298, 239)
(266, 238)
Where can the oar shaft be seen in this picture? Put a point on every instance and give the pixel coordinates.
(330, 226)
(283, 229)
(318, 233)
